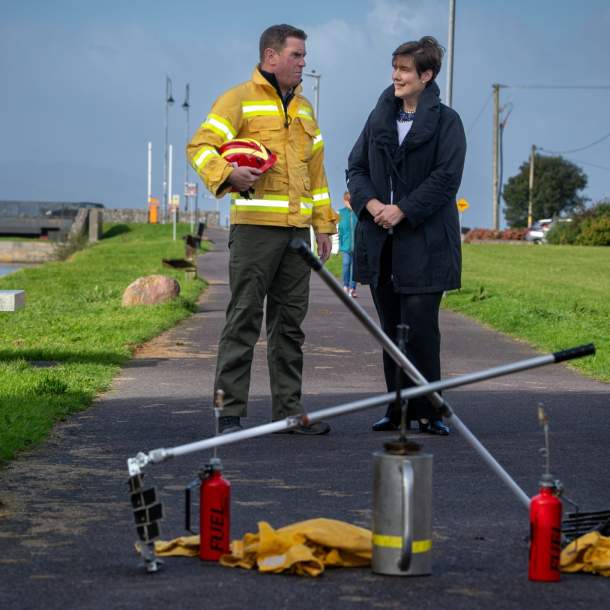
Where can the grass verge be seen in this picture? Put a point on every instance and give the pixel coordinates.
(553, 297)
(68, 342)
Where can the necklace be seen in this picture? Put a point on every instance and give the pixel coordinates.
(404, 117)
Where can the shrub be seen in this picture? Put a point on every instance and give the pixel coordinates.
(514, 234)
(489, 234)
(594, 231)
(562, 233)
(591, 227)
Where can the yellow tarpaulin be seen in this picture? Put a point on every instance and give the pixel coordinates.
(589, 553)
(303, 548)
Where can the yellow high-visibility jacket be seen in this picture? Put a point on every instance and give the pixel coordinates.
(294, 192)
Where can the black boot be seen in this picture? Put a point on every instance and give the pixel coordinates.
(434, 426)
(390, 421)
(385, 424)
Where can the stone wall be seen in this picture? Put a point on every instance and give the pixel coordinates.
(26, 251)
(140, 215)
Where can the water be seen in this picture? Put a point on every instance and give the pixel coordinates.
(6, 268)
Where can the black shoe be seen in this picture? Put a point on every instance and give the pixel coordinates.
(314, 429)
(434, 426)
(228, 424)
(385, 424)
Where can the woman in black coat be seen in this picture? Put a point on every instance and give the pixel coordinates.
(403, 176)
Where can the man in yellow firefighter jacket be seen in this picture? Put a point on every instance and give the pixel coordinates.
(283, 203)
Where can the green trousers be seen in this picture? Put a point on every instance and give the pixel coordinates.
(262, 264)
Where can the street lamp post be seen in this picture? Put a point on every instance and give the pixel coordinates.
(186, 107)
(316, 88)
(450, 38)
(169, 100)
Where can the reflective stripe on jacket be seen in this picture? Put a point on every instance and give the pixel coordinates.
(294, 192)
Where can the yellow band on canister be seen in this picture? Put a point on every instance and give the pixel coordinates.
(395, 542)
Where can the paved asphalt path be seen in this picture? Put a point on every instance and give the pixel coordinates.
(66, 535)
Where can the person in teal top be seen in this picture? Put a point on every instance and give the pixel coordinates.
(347, 225)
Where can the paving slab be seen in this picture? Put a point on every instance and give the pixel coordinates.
(66, 532)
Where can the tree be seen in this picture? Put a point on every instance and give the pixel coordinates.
(557, 183)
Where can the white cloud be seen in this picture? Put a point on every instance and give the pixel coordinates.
(404, 20)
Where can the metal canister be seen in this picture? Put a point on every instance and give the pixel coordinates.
(402, 513)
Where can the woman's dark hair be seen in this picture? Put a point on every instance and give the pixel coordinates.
(274, 37)
(426, 52)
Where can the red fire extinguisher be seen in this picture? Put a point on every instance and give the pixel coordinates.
(214, 511)
(545, 533)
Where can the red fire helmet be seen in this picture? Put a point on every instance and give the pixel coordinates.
(247, 153)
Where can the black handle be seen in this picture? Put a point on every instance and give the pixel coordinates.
(300, 246)
(402, 334)
(187, 504)
(574, 352)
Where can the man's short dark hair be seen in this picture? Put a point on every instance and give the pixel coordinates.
(426, 52)
(274, 37)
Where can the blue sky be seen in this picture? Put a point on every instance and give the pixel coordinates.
(83, 84)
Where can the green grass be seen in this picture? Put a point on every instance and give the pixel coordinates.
(73, 317)
(553, 297)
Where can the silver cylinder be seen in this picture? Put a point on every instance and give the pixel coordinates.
(402, 514)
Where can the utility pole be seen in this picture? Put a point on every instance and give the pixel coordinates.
(169, 100)
(316, 89)
(530, 204)
(186, 107)
(495, 202)
(171, 196)
(149, 175)
(449, 96)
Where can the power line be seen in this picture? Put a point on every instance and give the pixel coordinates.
(592, 164)
(480, 114)
(599, 87)
(573, 150)
(579, 161)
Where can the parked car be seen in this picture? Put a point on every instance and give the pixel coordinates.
(537, 232)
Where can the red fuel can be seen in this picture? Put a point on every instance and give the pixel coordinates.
(214, 514)
(545, 535)
(214, 511)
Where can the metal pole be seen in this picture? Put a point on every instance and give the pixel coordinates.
(169, 100)
(186, 107)
(495, 204)
(450, 38)
(316, 88)
(171, 163)
(149, 175)
(137, 463)
(441, 405)
(530, 205)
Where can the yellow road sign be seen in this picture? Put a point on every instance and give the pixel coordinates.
(462, 205)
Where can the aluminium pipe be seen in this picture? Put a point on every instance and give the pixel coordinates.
(136, 464)
(440, 404)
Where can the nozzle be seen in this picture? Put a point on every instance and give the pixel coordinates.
(543, 420)
(218, 407)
